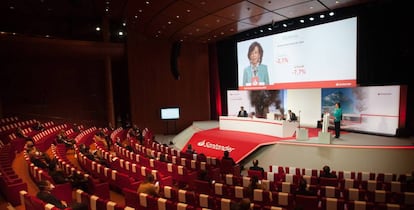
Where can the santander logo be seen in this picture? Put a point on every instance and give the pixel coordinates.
(207, 144)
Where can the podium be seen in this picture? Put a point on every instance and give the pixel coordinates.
(324, 136)
(302, 134)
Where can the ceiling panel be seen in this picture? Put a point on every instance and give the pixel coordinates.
(184, 12)
(263, 19)
(199, 20)
(272, 5)
(211, 6)
(240, 11)
(342, 3)
(302, 9)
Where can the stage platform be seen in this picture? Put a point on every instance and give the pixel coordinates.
(352, 151)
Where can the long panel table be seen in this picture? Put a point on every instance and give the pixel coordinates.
(277, 128)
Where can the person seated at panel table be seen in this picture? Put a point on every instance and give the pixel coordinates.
(253, 115)
(291, 116)
(242, 112)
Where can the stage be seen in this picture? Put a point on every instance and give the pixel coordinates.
(352, 151)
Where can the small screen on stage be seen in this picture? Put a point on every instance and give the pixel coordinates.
(170, 113)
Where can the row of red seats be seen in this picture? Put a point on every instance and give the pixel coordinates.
(7, 129)
(182, 172)
(116, 180)
(131, 168)
(98, 203)
(8, 120)
(33, 203)
(46, 138)
(10, 182)
(95, 186)
(393, 186)
(93, 202)
(341, 174)
(61, 191)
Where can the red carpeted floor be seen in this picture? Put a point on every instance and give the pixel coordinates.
(214, 142)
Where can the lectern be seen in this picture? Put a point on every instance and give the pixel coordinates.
(324, 136)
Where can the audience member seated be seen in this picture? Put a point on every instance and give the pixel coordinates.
(38, 126)
(202, 157)
(149, 186)
(226, 156)
(127, 147)
(203, 176)
(190, 149)
(243, 204)
(303, 188)
(57, 174)
(256, 167)
(76, 128)
(163, 158)
(62, 138)
(410, 182)
(20, 133)
(79, 181)
(326, 173)
(29, 145)
(79, 206)
(100, 136)
(39, 158)
(111, 127)
(86, 151)
(101, 160)
(255, 183)
(136, 133)
(44, 194)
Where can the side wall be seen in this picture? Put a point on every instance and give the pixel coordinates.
(153, 85)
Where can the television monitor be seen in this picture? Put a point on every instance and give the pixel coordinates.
(170, 113)
(319, 56)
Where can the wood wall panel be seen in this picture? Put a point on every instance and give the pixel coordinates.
(55, 83)
(153, 86)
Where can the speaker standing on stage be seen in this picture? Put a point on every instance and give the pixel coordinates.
(242, 112)
(337, 119)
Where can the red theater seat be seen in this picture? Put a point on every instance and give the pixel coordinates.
(306, 202)
(332, 204)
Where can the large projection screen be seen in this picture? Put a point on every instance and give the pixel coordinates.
(321, 56)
